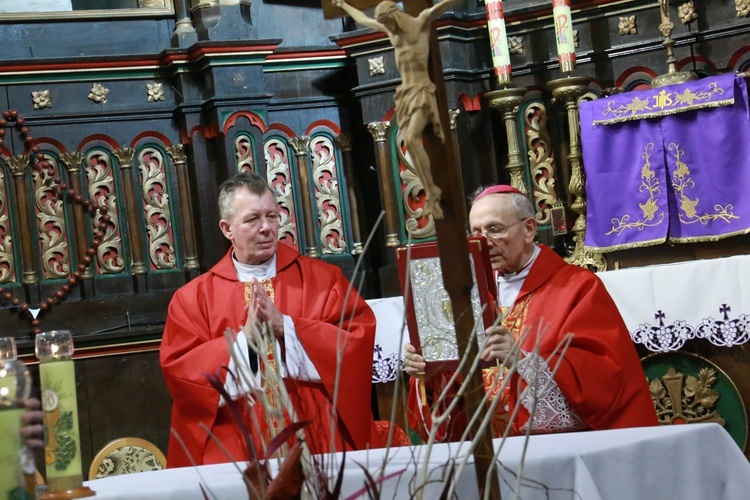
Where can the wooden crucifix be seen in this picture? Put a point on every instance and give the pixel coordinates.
(415, 42)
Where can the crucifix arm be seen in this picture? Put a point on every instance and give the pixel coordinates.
(437, 10)
(359, 16)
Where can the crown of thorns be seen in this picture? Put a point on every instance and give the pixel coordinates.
(384, 10)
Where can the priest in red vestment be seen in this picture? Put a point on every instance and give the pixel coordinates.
(599, 383)
(318, 323)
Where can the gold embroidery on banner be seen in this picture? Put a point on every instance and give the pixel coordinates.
(681, 182)
(664, 103)
(649, 208)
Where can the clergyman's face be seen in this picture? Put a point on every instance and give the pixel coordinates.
(506, 251)
(254, 227)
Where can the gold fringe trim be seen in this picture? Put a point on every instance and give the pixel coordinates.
(696, 239)
(626, 246)
(644, 116)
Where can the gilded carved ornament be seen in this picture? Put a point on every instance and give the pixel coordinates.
(300, 144)
(413, 190)
(687, 12)
(155, 198)
(72, 161)
(98, 93)
(101, 189)
(7, 262)
(155, 92)
(627, 25)
(41, 98)
(515, 45)
(378, 130)
(18, 165)
(377, 66)
(453, 117)
(280, 179)
(327, 196)
(177, 153)
(243, 151)
(51, 225)
(690, 399)
(742, 7)
(124, 157)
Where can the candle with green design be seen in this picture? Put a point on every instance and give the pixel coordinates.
(15, 386)
(62, 444)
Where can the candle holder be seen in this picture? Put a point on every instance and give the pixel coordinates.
(568, 90)
(62, 448)
(507, 100)
(15, 388)
(672, 76)
(8, 350)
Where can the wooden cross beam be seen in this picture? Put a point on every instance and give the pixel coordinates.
(452, 245)
(454, 256)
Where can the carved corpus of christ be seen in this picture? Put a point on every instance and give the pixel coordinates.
(416, 105)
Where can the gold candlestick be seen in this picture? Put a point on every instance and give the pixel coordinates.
(569, 90)
(62, 443)
(507, 100)
(672, 76)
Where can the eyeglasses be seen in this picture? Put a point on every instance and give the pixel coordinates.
(496, 232)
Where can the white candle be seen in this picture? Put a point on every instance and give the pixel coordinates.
(566, 48)
(498, 40)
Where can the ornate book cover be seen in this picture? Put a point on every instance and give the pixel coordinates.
(429, 314)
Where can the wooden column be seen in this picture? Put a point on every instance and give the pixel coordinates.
(125, 159)
(344, 142)
(19, 166)
(454, 260)
(387, 185)
(300, 146)
(179, 158)
(72, 162)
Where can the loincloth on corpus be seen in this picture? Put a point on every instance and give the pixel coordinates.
(412, 98)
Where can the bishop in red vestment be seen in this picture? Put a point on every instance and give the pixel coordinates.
(330, 324)
(599, 383)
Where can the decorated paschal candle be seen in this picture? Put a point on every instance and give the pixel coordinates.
(566, 47)
(498, 40)
(62, 443)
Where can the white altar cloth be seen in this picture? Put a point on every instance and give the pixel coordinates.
(698, 461)
(665, 305)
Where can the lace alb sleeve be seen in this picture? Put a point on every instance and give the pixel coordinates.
(552, 412)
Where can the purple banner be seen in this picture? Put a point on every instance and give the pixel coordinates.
(680, 175)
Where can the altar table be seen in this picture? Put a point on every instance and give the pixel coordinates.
(698, 461)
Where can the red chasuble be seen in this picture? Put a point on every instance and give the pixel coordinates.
(600, 376)
(314, 295)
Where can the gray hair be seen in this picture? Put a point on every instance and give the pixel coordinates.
(524, 208)
(247, 180)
